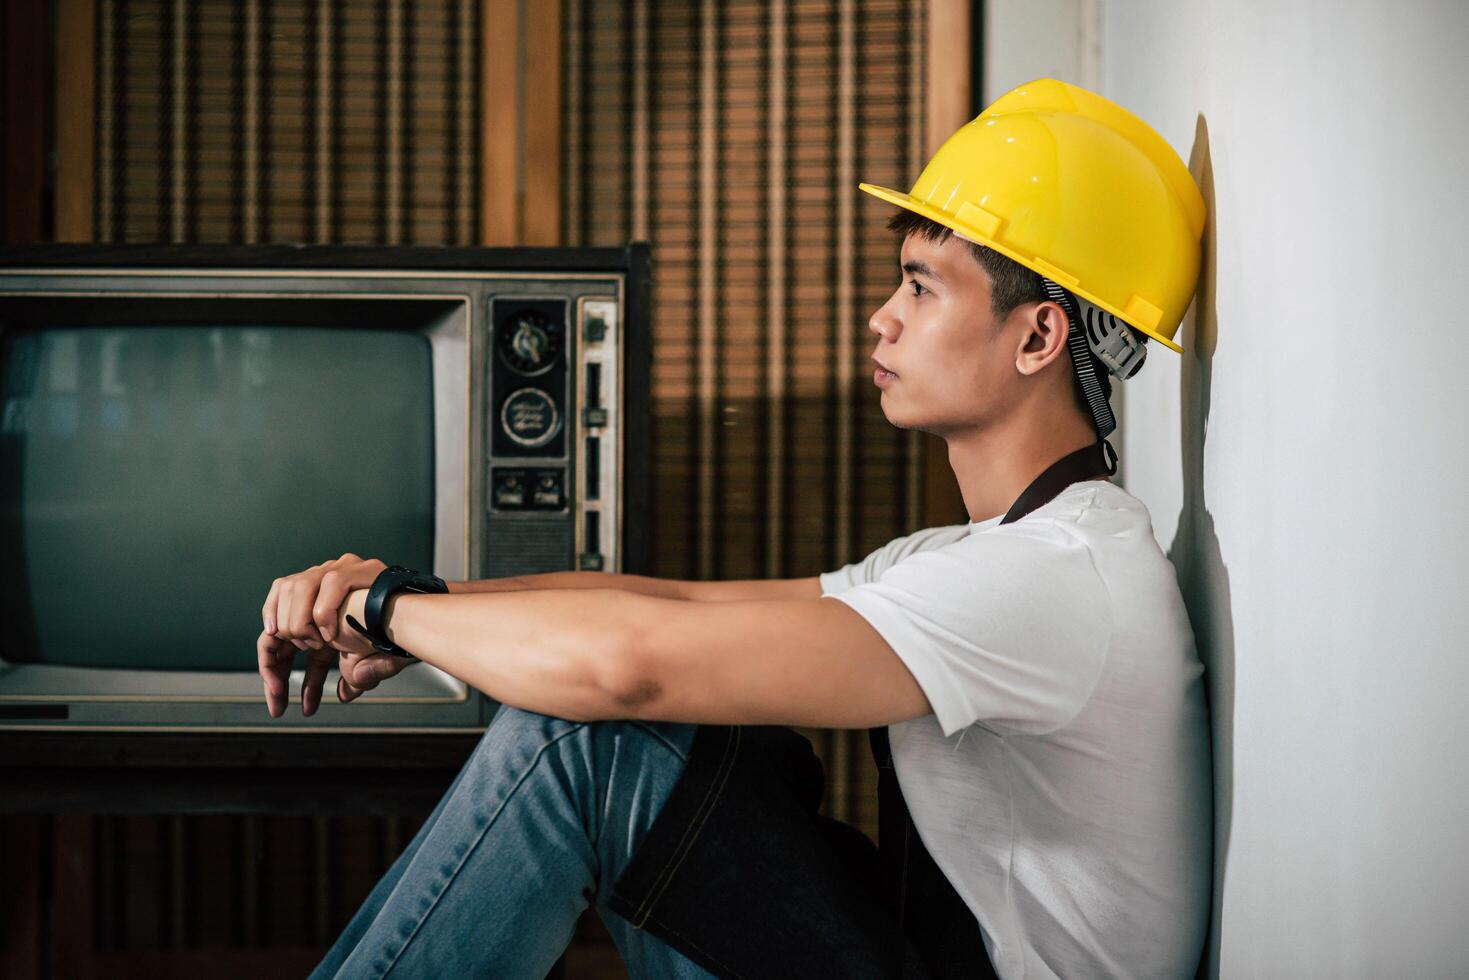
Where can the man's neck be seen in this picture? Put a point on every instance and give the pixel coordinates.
(994, 466)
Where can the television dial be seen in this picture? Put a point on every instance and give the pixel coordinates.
(529, 342)
(530, 418)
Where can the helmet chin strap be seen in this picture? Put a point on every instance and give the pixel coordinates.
(1093, 388)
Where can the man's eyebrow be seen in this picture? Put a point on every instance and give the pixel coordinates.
(915, 267)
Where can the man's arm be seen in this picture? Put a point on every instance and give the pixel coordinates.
(596, 654)
(662, 588)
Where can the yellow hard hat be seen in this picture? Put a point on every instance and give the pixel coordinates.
(1078, 189)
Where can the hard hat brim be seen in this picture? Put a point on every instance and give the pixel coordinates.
(911, 203)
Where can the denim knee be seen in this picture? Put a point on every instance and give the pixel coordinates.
(676, 736)
(620, 770)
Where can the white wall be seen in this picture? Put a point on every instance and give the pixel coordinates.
(1305, 462)
(1029, 39)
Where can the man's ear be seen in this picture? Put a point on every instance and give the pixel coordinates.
(1044, 337)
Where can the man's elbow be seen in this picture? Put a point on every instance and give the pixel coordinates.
(627, 679)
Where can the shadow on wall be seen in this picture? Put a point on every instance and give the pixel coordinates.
(1202, 576)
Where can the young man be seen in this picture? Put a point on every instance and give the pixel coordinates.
(1029, 678)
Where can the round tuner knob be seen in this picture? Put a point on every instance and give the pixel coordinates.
(529, 343)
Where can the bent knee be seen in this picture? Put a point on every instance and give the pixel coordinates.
(509, 716)
(676, 737)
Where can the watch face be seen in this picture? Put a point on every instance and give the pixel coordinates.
(529, 342)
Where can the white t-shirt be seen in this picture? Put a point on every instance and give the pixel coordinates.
(1063, 783)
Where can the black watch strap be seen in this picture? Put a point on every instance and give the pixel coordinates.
(391, 580)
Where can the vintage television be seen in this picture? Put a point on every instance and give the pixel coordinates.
(179, 425)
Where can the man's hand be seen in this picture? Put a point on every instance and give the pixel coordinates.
(362, 668)
(302, 608)
(301, 611)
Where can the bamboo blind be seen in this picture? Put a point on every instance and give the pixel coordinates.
(286, 121)
(731, 136)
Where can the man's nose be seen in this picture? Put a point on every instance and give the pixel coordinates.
(883, 324)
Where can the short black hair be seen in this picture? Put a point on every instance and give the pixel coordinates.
(1011, 284)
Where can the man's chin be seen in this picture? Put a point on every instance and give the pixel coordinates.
(901, 422)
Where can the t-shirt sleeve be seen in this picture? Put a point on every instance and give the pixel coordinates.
(1007, 628)
(880, 560)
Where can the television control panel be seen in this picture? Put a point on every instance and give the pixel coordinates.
(552, 414)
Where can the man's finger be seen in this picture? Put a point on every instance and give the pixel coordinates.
(298, 621)
(372, 671)
(358, 673)
(283, 610)
(275, 657)
(363, 673)
(345, 691)
(383, 667)
(267, 610)
(318, 665)
(328, 600)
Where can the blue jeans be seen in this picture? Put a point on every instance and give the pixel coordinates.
(540, 821)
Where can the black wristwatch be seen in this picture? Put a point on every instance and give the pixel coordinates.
(394, 578)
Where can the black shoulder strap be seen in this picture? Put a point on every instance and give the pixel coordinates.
(1087, 463)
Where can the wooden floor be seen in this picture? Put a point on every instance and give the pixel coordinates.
(54, 926)
(592, 954)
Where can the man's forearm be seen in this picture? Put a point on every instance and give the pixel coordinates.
(735, 590)
(642, 584)
(552, 651)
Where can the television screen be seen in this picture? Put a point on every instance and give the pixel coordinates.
(154, 480)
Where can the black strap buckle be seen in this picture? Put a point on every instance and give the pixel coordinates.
(393, 579)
